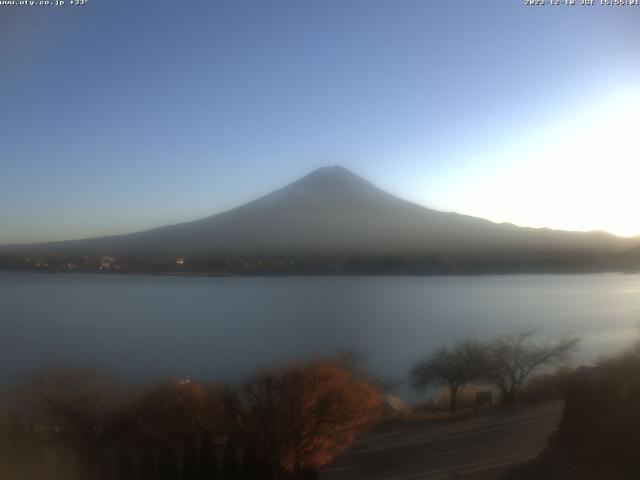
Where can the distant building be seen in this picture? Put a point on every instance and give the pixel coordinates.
(108, 263)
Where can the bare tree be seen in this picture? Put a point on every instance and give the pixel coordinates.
(452, 367)
(512, 358)
(87, 413)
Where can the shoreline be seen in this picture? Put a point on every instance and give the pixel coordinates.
(328, 274)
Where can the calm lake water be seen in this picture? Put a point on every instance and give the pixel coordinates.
(224, 328)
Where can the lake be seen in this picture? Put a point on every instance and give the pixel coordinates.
(224, 328)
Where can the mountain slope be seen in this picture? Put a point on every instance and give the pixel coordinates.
(333, 211)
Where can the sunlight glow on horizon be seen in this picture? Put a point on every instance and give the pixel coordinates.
(581, 174)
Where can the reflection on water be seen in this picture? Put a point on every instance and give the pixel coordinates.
(226, 327)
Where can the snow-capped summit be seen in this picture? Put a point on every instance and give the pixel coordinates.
(326, 184)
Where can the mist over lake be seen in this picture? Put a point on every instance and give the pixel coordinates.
(224, 328)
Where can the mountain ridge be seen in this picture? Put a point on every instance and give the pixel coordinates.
(334, 211)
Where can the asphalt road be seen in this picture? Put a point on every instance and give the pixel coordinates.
(482, 447)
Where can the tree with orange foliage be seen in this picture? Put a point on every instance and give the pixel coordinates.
(91, 414)
(188, 407)
(303, 416)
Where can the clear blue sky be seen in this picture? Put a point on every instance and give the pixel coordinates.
(123, 115)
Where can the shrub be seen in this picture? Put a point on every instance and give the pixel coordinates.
(547, 387)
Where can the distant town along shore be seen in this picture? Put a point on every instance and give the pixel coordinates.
(321, 265)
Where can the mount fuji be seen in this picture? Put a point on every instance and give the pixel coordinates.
(333, 211)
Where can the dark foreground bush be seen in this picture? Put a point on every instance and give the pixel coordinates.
(599, 433)
(547, 387)
(280, 425)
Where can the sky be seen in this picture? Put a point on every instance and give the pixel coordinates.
(119, 115)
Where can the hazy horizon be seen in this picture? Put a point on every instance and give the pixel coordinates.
(267, 195)
(188, 112)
